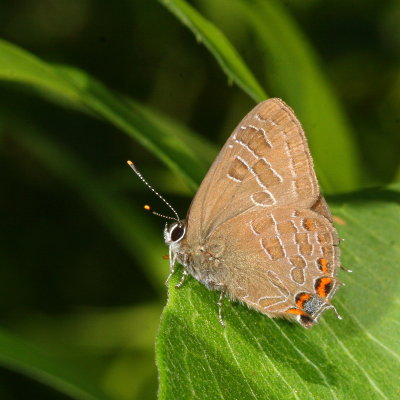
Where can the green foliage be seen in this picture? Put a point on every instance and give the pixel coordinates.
(110, 208)
(81, 90)
(219, 46)
(255, 357)
(66, 332)
(293, 74)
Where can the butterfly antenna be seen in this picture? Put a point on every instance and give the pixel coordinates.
(147, 207)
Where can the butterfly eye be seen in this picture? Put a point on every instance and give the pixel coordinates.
(177, 233)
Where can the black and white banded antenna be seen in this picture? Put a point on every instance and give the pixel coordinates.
(147, 207)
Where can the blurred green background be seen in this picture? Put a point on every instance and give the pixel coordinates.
(81, 263)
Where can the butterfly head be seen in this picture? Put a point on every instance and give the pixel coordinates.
(174, 232)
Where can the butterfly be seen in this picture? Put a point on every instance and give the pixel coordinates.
(258, 230)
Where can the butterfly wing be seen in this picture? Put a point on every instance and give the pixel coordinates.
(274, 256)
(258, 227)
(264, 163)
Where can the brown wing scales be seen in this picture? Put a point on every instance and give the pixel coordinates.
(276, 255)
(265, 163)
(260, 202)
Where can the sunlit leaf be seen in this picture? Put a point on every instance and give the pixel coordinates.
(255, 357)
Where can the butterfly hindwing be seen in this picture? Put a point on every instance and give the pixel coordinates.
(274, 256)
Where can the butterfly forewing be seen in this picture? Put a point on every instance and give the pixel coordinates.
(265, 163)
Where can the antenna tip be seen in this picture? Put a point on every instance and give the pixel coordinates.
(130, 163)
(147, 207)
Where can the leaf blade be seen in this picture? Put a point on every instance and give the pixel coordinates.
(257, 357)
(216, 42)
(19, 356)
(78, 89)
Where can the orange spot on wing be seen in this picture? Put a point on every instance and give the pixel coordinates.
(302, 299)
(323, 286)
(309, 224)
(323, 264)
(295, 311)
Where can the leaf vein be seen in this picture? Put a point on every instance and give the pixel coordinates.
(270, 362)
(345, 349)
(237, 363)
(320, 373)
(372, 337)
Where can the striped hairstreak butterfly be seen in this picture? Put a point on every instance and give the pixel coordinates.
(258, 229)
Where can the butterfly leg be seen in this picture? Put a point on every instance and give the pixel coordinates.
(212, 285)
(184, 275)
(169, 276)
(221, 299)
(172, 261)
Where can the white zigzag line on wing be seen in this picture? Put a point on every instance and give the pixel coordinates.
(252, 228)
(264, 133)
(265, 190)
(278, 235)
(233, 178)
(265, 250)
(258, 117)
(250, 150)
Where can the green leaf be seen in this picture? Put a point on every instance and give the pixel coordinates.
(255, 357)
(19, 356)
(216, 42)
(78, 89)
